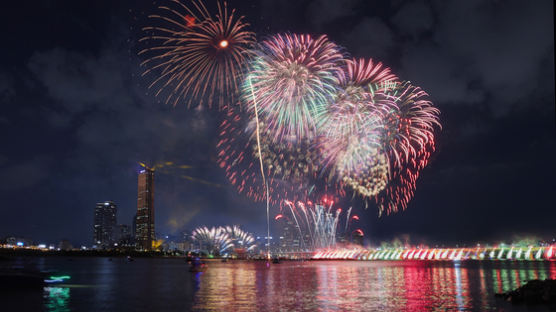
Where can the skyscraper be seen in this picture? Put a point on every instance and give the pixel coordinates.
(144, 232)
(105, 224)
(134, 227)
(123, 235)
(289, 239)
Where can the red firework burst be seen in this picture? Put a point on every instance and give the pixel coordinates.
(196, 57)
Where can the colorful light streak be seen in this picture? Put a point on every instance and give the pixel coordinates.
(318, 221)
(197, 56)
(315, 119)
(223, 239)
(531, 253)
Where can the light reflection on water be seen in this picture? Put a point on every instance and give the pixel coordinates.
(101, 284)
(363, 286)
(57, 299)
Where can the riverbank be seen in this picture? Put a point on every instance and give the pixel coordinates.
(533, 292)
(6, 253)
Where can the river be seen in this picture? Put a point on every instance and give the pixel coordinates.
(159, 284)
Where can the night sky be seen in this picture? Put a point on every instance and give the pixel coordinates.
(77, 117)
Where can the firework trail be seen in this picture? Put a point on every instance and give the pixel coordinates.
(347, 219)
(214, 240)
(318, 222)
(239, 237)
(291, 77)
(265, 185)
(197, 57)
(218, 240)
(294, 215)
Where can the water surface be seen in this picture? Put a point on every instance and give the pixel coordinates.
(103, 284)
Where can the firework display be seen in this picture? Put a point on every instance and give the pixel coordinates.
(223, 239)
(289, 82)
(317, 224)
(408, 141)
(214, 240)
(376, 134)
(310, 120)
(352, 129)
(239, 237)
(197, 57)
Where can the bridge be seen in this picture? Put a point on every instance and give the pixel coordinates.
(530, 253)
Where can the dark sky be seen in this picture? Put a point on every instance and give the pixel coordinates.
(76, 116)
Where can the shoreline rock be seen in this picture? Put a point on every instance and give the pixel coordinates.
(533, 292)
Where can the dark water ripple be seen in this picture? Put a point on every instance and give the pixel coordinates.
(98, 284)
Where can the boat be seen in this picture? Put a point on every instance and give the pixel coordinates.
(197, 265)
(198, 268)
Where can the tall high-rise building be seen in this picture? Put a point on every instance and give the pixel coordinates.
(289, 239)
(144, 232)
(123, 235)
(133, 227)
(104, 235)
